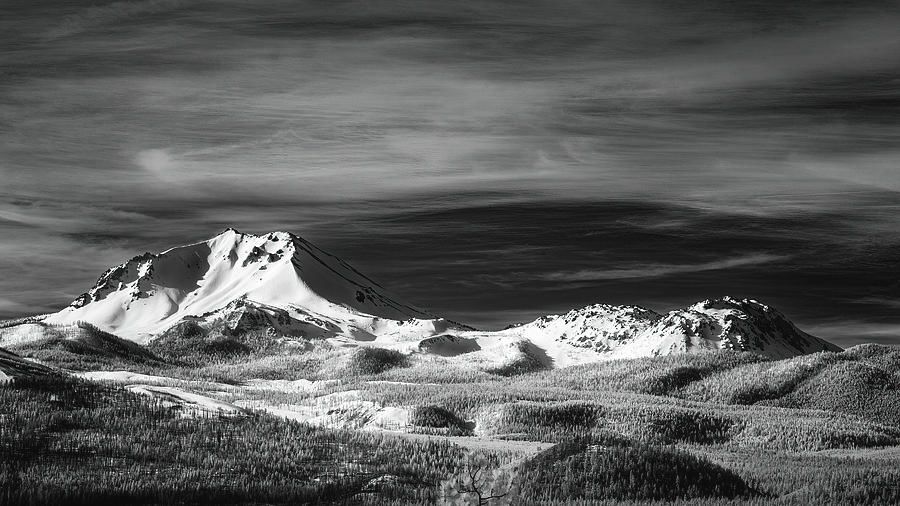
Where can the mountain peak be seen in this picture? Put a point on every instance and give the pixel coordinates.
(632, 331)
(729, 302)
(151, 292)
(735, 324)
(231, 231)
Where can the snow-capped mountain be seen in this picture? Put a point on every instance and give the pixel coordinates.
(729, 324)
(631, 331)
(279, 275)
(599, 327)
(281, 285)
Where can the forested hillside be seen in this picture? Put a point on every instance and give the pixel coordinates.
(374, 427)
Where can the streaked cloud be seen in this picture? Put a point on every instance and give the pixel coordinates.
(14, 307)
(661, 270)
(850, 333)
(97, 16)
(880, 301)
(558, 154)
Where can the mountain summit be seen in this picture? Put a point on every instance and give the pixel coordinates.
(725, 323)
(152, 292)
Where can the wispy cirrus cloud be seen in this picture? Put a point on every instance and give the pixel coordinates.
(853, 332)
(9, 306)
(557, 155)
(99, 15)
(879, 301)
(657, 270)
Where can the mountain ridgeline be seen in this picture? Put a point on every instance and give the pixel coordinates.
(270, 371)
(285, 290)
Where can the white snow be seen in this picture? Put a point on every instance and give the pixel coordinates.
(125, 377)
(301, 385)
(150, 293)
(282, 283)
(192, 404)
(20, 334)
(253, 385)
(128, 377)
(342, 410)
(603, 332)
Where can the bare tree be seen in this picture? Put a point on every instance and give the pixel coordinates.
(480, 482)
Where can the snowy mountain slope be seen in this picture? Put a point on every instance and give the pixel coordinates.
(599, 327)
(282, 286)
(605, 332)
(288, 322)
(727, 324)
(150, 293)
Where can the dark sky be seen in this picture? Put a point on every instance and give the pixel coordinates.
(491, 161)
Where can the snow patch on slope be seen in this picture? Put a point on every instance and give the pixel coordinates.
(191, 404)
(340, 410)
